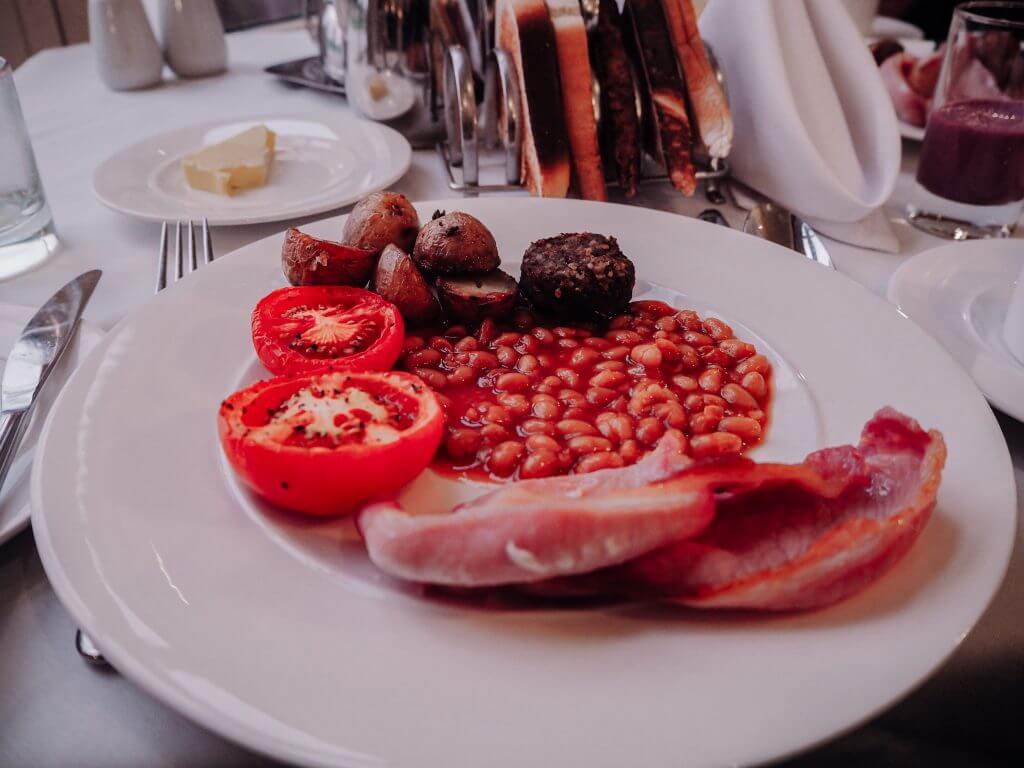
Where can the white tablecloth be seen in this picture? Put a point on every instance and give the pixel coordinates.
(54, 710)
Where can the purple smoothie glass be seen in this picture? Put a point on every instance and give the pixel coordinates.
(970, 175)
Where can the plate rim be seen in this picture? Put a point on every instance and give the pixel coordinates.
(392, 136)
(911, 132)
(251, 737)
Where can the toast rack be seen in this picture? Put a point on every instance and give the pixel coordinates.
(493, 128)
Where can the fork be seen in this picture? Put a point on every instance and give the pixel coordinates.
(185, 262)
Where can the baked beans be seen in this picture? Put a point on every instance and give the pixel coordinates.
(527, 400)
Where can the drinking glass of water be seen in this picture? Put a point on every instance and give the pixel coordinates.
(970, 175)
(26, 225)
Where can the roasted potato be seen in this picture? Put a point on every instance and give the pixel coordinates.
(456, 244)
(381, 219)
(474, 298)
(399, 281)
(306, 260)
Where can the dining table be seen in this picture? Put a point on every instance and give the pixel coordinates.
(57, 710)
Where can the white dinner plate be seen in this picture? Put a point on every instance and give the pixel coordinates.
(959, 293)
(278, 633)
(14, 507)
(321, 162)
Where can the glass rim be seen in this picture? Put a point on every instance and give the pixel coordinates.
(969, 11)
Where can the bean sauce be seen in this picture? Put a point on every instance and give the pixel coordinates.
(527, 400)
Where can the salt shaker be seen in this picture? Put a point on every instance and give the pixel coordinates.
(193, 37)
(127, 55)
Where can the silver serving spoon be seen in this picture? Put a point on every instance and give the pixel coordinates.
(773, 222)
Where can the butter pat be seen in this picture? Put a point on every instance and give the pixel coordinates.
(241, 162)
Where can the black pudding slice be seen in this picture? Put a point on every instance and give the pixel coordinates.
(578, 275)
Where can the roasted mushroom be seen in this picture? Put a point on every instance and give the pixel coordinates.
(399, 281)
(456, 244)
(473, 298)
(381, 219)
(307, 260)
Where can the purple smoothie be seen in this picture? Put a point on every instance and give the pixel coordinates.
(973, 152)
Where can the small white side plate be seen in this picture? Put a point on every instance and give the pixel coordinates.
(959, 294)
(912, 132)
(887, 26)
(912, 44)
(14, 508)
(320, 163)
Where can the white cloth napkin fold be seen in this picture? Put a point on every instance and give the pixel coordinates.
(815, 129)
(1013, 328)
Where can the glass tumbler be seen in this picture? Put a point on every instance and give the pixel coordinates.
(970, 174)
(26, 225)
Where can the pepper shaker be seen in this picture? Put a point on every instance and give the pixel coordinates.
(127, 54)
(193, 37)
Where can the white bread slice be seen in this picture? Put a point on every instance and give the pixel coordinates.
(707, 99)
(577, 97)
(525, 25)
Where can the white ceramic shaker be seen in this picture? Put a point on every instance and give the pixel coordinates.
(127, 54)
(193, 37)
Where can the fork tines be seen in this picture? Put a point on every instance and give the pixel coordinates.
(185, 260)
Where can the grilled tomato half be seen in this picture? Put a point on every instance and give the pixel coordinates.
(320, 327)
(324, 443)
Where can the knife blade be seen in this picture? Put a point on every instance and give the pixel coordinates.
(35, 354)
(773, 222)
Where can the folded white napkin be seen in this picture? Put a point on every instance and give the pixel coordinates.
(1013, 328)
(815, 129)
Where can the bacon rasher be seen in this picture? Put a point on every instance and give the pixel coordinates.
(539, 529)
(728, 533)
(793, 537)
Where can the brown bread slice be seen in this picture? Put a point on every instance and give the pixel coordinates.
(524, 29)
(621, 126)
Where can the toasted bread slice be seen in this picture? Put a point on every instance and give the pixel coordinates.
(577, 97)
(525, 26)
(664, 91)
(707, 99)
(621, 125)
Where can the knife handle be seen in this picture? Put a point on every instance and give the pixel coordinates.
(12, 430)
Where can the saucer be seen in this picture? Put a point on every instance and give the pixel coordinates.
(959, 293)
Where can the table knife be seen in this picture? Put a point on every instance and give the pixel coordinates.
(773, 222)
(34, 356)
